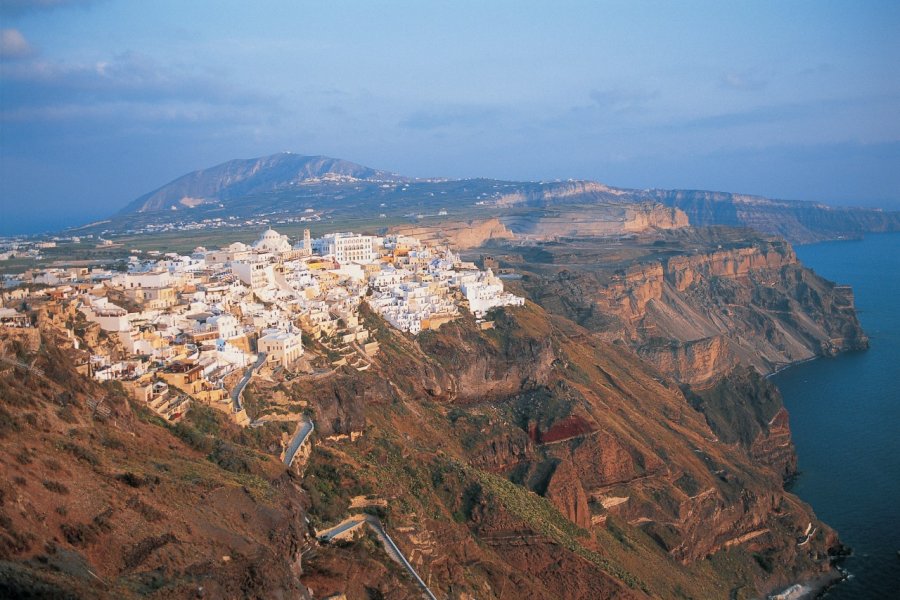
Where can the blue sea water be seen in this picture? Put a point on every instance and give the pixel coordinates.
(845, 417)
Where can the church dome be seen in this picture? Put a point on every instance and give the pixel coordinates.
(272, 241)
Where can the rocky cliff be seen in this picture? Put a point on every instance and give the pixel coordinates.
(551, 456)
(799, 222)
(703, 317)
(460, 235)
(545, 194)
(595, 220)
(698, 312)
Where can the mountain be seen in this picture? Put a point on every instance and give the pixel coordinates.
(241, 177)
(288, 183)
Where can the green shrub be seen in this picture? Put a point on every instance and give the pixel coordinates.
(230, 457)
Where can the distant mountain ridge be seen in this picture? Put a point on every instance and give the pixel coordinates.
(235, 188)
(241, 177)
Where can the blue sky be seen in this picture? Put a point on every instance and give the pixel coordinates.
(101, 101)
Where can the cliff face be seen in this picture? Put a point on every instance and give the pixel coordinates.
(545, 194)
(568, 458)
(799, 222)
(695, 315)
(471, 234)
(704, 317)
(599, 219)
(696, 362)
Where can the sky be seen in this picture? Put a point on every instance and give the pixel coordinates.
(102, 101)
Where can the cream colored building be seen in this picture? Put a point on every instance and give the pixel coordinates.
(282, 346)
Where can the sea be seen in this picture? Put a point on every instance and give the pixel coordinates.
(845, 418)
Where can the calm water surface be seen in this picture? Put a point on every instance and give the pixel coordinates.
(845, 417)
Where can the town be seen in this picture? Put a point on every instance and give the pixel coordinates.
(178, 329)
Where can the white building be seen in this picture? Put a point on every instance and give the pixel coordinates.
(109, 316)
(282, 346)
(347, 247)
(226, 325)
(232, 252)
(257, 274)
(150, 279)
(484, 291)
(272, 241)
(412, 306)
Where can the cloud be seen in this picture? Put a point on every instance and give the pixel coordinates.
(752, 116)
(14, 45)
(607, 110)
(744, 82)
(38, 90)
(451, 116)
(817, 70)
(18, 7)
(622, 101)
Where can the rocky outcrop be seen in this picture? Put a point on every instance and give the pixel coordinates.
(459, 235)
(684, 271)
(745, 408)
(595, 220)
(696, 362)
(656, 216)
(629, 292)
(695, 315)
(773, 445)
(565, 491)
(544, 194)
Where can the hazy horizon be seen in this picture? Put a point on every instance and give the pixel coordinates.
(103, 101)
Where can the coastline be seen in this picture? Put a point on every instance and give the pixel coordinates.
(787, 366)
(845, 410)
(810, 589)
(815, 587)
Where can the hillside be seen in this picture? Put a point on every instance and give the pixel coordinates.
(108, 501)
(242, 177)
(613, 438)
(539, 459)
(288, 184)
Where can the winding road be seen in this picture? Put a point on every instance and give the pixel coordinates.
(239, 388)
(387, 543)
(303, 433)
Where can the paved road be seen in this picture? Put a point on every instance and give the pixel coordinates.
(394, 552)
(306, 428)
(346, 525)
(387, 543)
(239, 388)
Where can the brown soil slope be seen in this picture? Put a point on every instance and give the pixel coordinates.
(111, 503)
